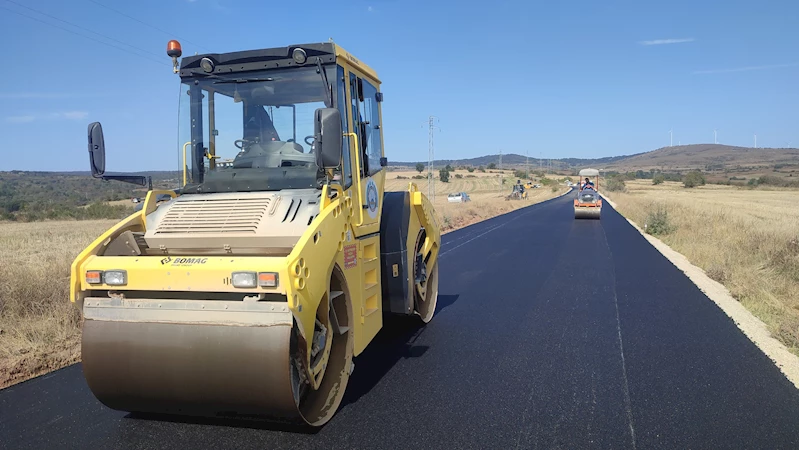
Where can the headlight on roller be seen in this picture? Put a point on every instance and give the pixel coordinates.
(244, 279)
(115, 277)
(253, 279)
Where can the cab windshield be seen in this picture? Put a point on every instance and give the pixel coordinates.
(250, 132)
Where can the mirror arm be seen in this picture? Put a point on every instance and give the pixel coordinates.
(133, 179)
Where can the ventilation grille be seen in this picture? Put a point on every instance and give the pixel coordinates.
(209, 216)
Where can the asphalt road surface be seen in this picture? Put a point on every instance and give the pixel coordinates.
(551, 333)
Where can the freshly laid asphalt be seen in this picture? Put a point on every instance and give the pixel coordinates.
(551, 332)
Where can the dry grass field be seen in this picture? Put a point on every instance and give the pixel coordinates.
(746, 239)
(486, 193)
(40, 330)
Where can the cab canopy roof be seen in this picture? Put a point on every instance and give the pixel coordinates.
(272, 58)
(589, 173)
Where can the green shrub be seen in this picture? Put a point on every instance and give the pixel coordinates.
(457, 175)
(658, 222)
(771, 180)
(658, 179)
(693, 179)
(443, 175)
(615, 184)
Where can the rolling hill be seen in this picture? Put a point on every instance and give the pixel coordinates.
(708, 157)
(75, 194)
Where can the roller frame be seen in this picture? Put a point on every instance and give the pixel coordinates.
(183, 340)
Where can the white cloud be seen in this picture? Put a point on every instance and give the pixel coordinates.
(370, 9)
(746, 69)
(20, 119)
(71, 115)
(65, 115)
(666, 41)
(34, 95)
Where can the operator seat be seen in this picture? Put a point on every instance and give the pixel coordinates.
(272, 154)
(267, 150)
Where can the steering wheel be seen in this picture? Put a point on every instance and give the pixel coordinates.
(243, 142)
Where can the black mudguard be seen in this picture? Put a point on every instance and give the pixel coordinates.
(394, 223)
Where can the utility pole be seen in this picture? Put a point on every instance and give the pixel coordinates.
(755, 141)
(431, 187)
(501, 175)
(671, 139)
(715, 139)
(527, 164)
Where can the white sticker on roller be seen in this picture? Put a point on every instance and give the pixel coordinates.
(372, 201)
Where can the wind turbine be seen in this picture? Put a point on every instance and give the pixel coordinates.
(715, 140)
(755, 140)
(671, 139)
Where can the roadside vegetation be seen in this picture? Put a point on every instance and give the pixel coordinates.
(36, 196)
(39, 329)
(486, 187)
(745, 237)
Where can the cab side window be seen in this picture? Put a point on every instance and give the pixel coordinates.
(341, 104)
(357, 122)
(371, 113)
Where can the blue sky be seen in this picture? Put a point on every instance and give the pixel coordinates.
(557, 79)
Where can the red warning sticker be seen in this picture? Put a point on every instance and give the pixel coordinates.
(350, 256)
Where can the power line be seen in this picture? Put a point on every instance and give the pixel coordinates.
(82, 35)
(431, 188)
(159, 61)
(147, 24)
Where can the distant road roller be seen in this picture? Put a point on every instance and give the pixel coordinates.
(249, 291)
(588, 204)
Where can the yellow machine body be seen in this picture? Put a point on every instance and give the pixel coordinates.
(178, 337)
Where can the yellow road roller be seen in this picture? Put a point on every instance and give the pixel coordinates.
(588, 204)
(247, 291)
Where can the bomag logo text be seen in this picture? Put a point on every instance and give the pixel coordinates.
(188, 261)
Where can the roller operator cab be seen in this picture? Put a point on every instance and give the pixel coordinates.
(248, 292)
(588, 204)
